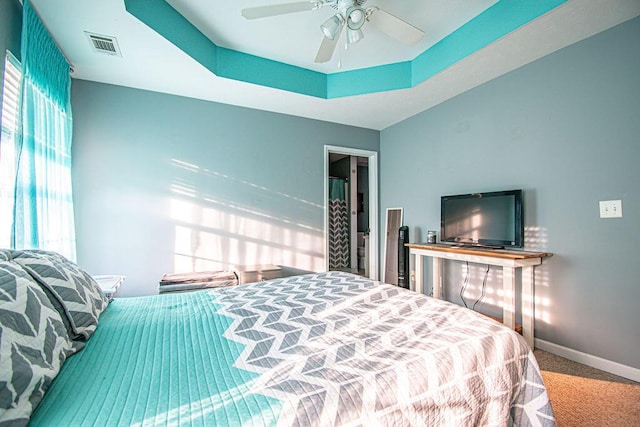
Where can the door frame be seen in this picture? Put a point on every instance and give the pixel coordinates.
(372, 157)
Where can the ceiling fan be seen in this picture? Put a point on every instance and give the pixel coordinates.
(350, 14)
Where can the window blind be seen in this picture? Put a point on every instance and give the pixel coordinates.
(9, 138)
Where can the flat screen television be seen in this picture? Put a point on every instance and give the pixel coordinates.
(491, 219)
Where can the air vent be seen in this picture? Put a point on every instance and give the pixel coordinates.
(104, 44)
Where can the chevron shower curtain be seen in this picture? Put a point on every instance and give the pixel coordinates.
(339, 251)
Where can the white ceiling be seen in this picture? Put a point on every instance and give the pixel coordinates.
(152, 63)
(295, 38)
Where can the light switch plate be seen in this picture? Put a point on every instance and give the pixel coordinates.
(611, 209)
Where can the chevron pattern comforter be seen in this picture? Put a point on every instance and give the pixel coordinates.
(314, 350)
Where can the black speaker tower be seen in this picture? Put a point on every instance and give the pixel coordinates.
(403, 257)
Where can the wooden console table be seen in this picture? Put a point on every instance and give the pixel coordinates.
(508, 260)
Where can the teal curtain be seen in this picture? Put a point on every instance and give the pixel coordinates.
(43, 213)
(336, 189)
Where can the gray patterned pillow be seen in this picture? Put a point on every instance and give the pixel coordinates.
(5, 254)
(79, 295)
(33, 344)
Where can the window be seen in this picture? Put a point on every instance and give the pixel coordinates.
(9, 139)
(36, 205)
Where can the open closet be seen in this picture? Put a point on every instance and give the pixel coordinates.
(348, 211)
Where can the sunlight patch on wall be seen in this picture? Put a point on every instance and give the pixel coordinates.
(208, 172)
(542, 306)
(221, 221)
(218, 237)
(536, 238)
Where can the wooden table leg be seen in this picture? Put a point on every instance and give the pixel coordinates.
(417, 263)
(508, 297)
(436, 278)
(528, 307)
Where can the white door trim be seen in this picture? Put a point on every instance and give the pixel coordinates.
(353, 211)
(373, 203)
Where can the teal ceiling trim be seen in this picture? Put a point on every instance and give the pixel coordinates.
(161, 17)
(254, 69)
(497, 21)
(368, 80)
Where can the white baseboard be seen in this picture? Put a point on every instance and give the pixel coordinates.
(589, 360)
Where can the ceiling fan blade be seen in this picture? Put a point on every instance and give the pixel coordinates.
(327, 47)
(395, 27)
(279, 9)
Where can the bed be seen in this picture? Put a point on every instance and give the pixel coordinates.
(320, 349)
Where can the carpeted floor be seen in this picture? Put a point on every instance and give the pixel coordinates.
(584, 396)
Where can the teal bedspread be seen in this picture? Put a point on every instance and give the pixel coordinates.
(155, 361)
(322, 349)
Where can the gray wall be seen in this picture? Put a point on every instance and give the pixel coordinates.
(566, 130)
(10, 30)
(165, 183)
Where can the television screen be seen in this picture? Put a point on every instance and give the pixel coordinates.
(483, 219)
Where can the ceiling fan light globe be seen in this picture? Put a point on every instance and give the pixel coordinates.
(355, 17)
(331, 27)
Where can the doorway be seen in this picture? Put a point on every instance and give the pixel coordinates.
(351, 210)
